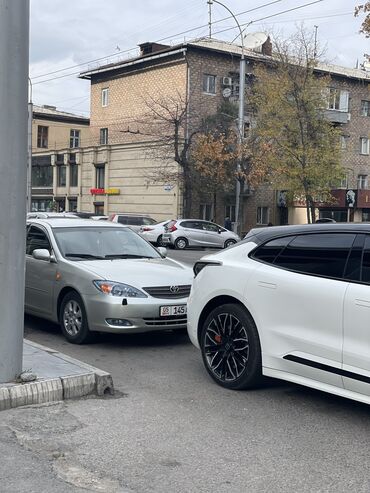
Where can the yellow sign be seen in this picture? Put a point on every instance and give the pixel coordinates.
(112, 191)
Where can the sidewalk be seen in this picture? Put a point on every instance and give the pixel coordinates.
(59, 377)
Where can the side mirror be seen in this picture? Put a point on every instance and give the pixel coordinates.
(162, 251)
(41, 254)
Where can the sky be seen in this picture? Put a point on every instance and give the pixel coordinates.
(67, 37)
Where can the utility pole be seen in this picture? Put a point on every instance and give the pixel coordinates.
(14, 41)
(315, 43)
(240, 113)
(210, 17)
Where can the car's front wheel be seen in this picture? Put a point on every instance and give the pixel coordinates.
(73, 319)
(231, 348)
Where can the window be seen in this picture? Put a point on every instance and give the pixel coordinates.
(42, 171)
(209, 84)
(365, 108)
(364, 145)
(365, 215)
(192, 224)
(320, 254)
(99, 208)
(100, 176)
(361, 182)
(36, 238)
(262, 215)
(206, 212)
(230, 212)
(62, 176)
(344, 182)
(42, 137)
(343, 142)
(338, 99)
(105, 96)
(59, 159)
(73, 175)
(72, 203)
(353, 267)
(339, 215)
(213, 228)
(270, 250)
(74, 140)
(103, 136)
(366, 261)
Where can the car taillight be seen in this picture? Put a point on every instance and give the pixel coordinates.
(147, 229)
(112, 216)
(172, 229)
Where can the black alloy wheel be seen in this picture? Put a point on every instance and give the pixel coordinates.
(73, 319)
(231, 348)
(229, 243)
(181, 243)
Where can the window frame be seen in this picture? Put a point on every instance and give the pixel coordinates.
(98, 172)
(73, 173)
(74, 138)
(42, 140)
(206, 86)
(261, 208)
(42, 230)
(365, 108)
(366, 141)
(103, 136)
(105, 97)
(59, 176)
(362, 182)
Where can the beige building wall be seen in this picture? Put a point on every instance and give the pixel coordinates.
(59, 134)
(128, 169)
(128, 98)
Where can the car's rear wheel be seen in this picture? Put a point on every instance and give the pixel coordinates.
(229, 243)
(231, 348)
(181, 243)
(73, 319)
(160, 240)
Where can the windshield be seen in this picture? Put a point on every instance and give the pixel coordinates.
(90, 243)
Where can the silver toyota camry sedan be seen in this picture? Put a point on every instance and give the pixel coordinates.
(101, 277)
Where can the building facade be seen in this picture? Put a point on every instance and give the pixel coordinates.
(57, 139)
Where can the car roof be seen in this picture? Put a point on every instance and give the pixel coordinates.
(260, 235)
(63, 222)
(129, 214)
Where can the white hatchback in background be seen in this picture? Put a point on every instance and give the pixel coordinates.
(154, 232)
(290, 302)
(184, 233)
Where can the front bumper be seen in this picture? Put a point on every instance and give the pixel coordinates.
(143, 314)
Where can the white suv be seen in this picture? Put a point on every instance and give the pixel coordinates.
(134, 221)
(291, 302)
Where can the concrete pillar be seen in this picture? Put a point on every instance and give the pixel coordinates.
(14, 40)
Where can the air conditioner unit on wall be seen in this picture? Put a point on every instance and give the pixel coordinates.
(227, 81)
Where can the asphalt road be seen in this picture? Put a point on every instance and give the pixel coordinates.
(171, 429)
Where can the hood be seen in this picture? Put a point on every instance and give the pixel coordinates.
(140, 272)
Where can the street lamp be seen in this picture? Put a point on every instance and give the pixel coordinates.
(241, 110)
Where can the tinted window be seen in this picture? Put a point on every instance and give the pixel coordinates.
(321, 254)
(211, 227)
(192, 224)
(122, 220)
(36, 238)
(366, 261)
(270, 250)
(353, 267)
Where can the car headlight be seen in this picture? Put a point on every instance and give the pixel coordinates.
(119, 289)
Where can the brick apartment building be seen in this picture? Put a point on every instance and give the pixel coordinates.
(199, 72)
(57, 138)
(116, 164)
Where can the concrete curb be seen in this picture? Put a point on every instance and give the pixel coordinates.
(91, 380)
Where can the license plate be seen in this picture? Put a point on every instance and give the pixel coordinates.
(166, 311)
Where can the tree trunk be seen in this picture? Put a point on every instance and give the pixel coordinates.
(187, 198)
(214, 207)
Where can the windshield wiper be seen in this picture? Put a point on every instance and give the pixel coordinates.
(126, 255)
(84, 255)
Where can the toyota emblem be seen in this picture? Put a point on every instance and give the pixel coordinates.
(174, 289)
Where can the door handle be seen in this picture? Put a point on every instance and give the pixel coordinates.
(364, 303)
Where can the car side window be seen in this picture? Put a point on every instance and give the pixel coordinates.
(270, 250)
(353, 267)
(210, 227)
(191, 224)
(36, 238)
(122, 220)
(365, 277)
(323, 254)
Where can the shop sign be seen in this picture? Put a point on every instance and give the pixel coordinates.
(105, 191)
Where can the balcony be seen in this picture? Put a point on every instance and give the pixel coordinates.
(337, 116)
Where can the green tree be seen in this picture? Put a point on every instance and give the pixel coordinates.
(290, 98)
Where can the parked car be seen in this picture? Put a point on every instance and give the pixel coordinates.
(154, 232)
(48, 215)
(134, 221)
(100, 218)
(289, 302)
(184, 233)
(98, 276)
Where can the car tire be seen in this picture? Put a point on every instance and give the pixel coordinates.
(181, 243)
(229, 243)
(160, 240)
(73, 319)
(231, 355)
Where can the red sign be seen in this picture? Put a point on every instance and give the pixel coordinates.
(97, 191)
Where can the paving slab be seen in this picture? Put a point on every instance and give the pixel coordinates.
(59, 377)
